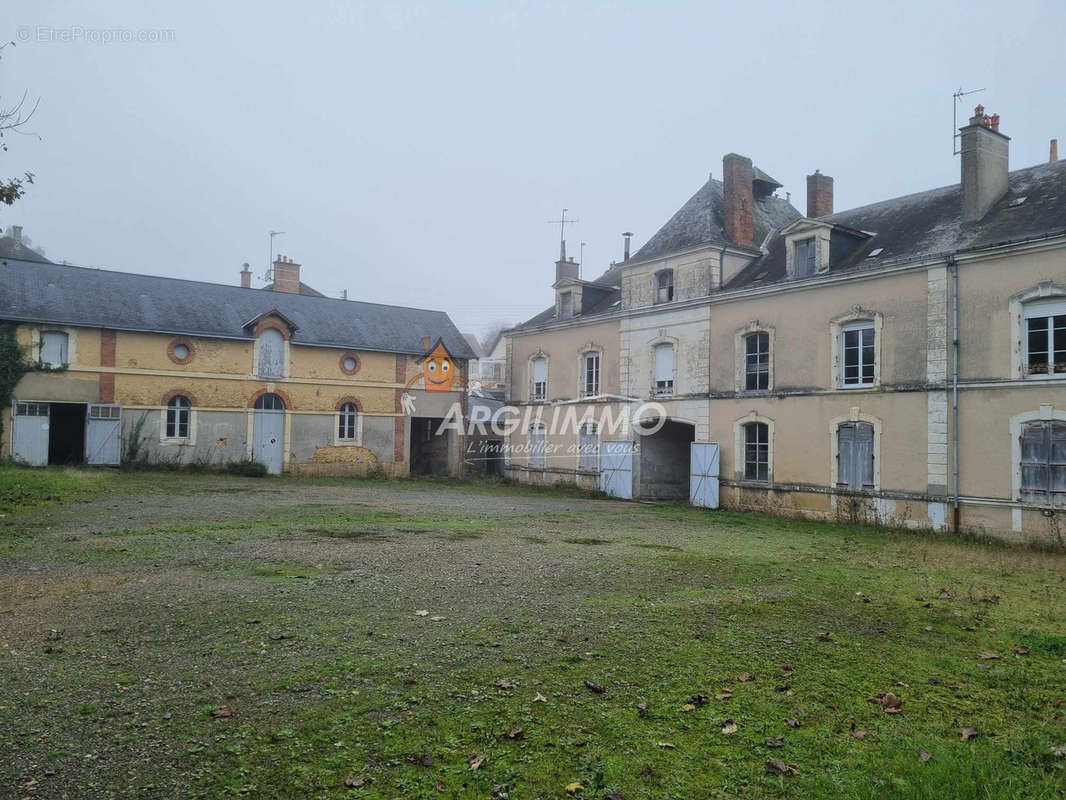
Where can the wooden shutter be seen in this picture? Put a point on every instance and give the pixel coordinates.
(855, 459)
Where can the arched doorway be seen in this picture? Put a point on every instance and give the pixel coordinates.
(664, 465)
(268, 432)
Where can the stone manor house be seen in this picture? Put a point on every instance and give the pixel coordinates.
(904, 361)
(184, 371)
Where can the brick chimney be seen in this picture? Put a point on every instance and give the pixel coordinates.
(984, 153)
(819, 195)
(737, 201)
(286, 275)
(246, 276)
(16, 233)
(1053, 156)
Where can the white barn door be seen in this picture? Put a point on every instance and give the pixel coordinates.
(29, 435)
(616, 469)
(703, 475)
(103, 435)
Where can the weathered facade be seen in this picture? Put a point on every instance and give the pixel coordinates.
(903, 362)
(181, 371)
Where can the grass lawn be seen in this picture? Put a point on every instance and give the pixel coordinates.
(166, 635)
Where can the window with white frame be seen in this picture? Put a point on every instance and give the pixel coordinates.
(857, 354)
(590, 373)
(179, 412)
(54, 351)
(348, 423)
(538, 445)
(538, 378)
(757, 361)
(1043, 465)
(756, 451)
(271, 354)
(664, 286)
(805, 256)
(855, 455)
(589, 447)
(663, 358)
(1045, 338)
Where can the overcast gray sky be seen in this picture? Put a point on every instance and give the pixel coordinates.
(413, 152)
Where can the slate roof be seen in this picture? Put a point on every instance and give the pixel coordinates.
(930, 223)
(10, 247)
(699, 222)
(43, 292)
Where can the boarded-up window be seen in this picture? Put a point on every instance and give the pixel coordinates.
(537, 446)
(805, 254)
(538, 389)
(271, 354)
(54, 348)
(855, 455)
(664, 369)
(756, 451)
(590, 374)
(589, 447)
(1044, 463)
(757, 361)
(566, 304)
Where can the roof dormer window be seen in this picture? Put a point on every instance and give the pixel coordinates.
(806, 257)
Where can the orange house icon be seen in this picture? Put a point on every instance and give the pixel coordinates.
(438, 368)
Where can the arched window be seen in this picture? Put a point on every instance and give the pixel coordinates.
(269, 402)
(756, 451)
(590, 373)
(757, 361)
(271, 354)
(1045, 338)
(178, 413)
(348, 423)
(54, 348)
(538, 378)
(663, 357)
(664, 286)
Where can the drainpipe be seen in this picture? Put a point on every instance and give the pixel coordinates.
(954, 390)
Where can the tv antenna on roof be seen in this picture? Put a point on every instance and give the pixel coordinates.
(956, 99)
(562, 222)
(269, 276)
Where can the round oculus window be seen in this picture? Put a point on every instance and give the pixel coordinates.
(181, 352)
(349, 363)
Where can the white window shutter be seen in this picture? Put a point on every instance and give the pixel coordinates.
(664, 362)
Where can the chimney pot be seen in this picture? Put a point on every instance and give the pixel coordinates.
(819, 195)
(984, 160)
(246, 276)
(626, 236)
(286, 275)
(1053, 156)
(738, 200)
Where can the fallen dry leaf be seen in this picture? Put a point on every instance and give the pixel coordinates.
(422, 760)
(613, 796)
(788, 668)
(667, 745)
(252, 621)
(725, 694)
(729, 727)
(775, 741)
(824, 637)
(440, 786)
(793, 722)
(539, 698)
(860, 735)
(688, 707)
(505, 684)
(1059, 751)
(421, 613)
(642, 709)
(475, 761)
(1021, 649)
(968, 734)
(595, 687)
(354, 781)
(890, 702)
(515, 734)
(575, 787)
(924, 755)
(222, 712)
(697, 699)
(437, 618)
(987, 656)
(944, 594)
(778, 767)
(745, 677)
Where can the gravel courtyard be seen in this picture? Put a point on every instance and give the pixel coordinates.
(168, 635)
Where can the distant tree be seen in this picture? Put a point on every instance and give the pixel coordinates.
(14, 119)
(493, 330)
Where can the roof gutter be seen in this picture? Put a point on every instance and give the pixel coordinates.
(953, 265)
